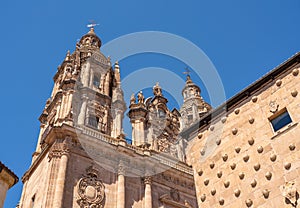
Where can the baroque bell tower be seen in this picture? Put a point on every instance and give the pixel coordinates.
(82, 159)
(87, 93)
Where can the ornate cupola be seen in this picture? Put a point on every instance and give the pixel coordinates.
(194, 106)
(90, 40)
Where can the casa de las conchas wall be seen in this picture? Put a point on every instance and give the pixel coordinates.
(241, 154)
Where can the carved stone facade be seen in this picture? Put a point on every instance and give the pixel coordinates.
(241, 154)
(246, 152)
(82, 158)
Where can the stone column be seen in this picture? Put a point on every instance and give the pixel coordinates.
(3, 189)
(82, 113)
(148, 192)
(60, 152)
(121, 186)
(86, 74)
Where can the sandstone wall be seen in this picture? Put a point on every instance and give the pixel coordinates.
(239, 161)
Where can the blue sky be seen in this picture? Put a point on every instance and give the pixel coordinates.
(243, 39)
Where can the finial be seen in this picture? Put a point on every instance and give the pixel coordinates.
(92, 25)
(188, 77)
(68, 56)
(187, 71)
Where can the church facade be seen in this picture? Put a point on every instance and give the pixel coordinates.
(241, 154)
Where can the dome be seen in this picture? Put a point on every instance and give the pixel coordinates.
(90, 40)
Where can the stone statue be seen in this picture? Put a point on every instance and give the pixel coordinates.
(157, 90)
(132, 99)
(140, 97)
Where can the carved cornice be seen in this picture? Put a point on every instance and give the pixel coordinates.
(60, 147)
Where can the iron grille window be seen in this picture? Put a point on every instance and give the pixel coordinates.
(281, 120)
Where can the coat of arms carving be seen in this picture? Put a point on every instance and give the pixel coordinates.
(91, 190)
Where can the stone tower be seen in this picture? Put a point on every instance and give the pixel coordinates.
(194, 107)
(82, 158)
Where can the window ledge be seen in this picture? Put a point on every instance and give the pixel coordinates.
(284, 129)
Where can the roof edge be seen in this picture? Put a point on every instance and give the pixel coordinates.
(243, 94)
(3, 167)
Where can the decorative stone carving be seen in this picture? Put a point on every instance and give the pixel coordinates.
(251, 120)
(61, 147)
(225, 157)
(292, 147)
(213, 191)
(157, 90)
(206, 181)
(287, 165)
(148, 180)
(254, 99)
(294, 93)
(251, 141)
(273, 106)
(237, 111)
(202, 152)
(91, 190)
(132, 99)
(212, 127)
(203, 197)
(278, 83)
(242, 175)
(232, 166)
(200, 135)
(256, 166)
(219, 174)
(218, 141)
(295, 72)
(226, 184)
(289, 191)
(249, 202)
(246, 158)
(234, 131)
(174, 193)
(237, 192)
(140, 97)
(266, 193)
(260, 149)
(268, 175)
(200, 172)
(253, 183)
(223, 119)
(221, 201)
(212, 165)
(273, 157)
(121, 168)
(237, 149)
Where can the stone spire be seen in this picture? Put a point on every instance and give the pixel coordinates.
(193, 106)
(118, 106)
